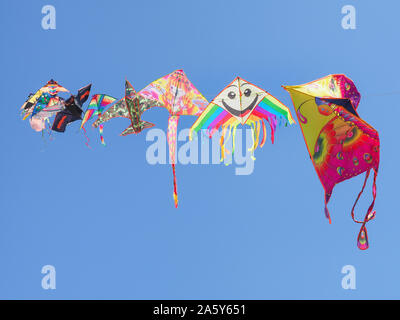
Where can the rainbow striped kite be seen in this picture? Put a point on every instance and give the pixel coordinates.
(242, 103)
(96, 108)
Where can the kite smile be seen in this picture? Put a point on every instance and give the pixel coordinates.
(240, 113)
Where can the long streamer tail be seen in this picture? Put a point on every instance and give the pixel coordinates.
(101, 128)
(362, 239)
(87, 138)
(171, 138)
(175, 189)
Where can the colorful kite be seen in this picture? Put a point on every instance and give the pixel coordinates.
(178, 95)
(96, 108)
(38, 119)
(73, 109)
(340, 143)
(132, 107)
(43, 104)
(242, 103)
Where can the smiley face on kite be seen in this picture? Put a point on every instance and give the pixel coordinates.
(240, 98)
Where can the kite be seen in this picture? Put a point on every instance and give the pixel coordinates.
(96, 107)
(51, 88)
(242, 103)
(43, 104)
(44, 112)
(132, 107)
(73, 109)
(341, 145)
(179, 96)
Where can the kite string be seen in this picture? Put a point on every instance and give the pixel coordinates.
(382, 94)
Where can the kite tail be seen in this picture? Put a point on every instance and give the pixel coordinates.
(49, 129)
(327, 197)
(101, 128)
(87, 138)
(362, 239)
(255, 134)
(273, 127)
(221, 143)
(264, 134)
(226, 130)
(175, 195)
(234, 137)
(171, 137)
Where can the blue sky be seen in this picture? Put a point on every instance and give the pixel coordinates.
(104, 217)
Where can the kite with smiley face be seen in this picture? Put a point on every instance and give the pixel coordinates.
(242, 103)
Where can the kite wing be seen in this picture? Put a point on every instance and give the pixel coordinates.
(41, 103)
(73, 109)
(341, 145)
(96, 106)
(30, 103)
(119, 109)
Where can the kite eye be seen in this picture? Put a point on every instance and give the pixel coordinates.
(231, 95)
(247, 92)
(324, 109)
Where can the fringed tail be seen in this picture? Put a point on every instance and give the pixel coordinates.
(225, 136)
(264, 130)
(257, 127)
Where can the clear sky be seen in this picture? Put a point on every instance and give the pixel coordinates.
(104, 217)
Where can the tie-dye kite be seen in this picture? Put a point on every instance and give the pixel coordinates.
(132, 107)
(179, 96)
(96, 107)
(341, 145)
(73, 109)
(42, 105)
(242, 103)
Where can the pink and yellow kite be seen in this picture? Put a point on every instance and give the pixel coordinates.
(341, 145)
(179, 96)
